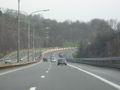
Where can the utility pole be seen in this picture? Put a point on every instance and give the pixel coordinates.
(18, 32)
(28, 42)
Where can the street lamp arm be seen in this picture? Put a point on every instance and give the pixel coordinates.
(39, 11)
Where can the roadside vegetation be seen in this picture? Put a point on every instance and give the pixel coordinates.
(71, 44)
(96, 38)
(106, 42)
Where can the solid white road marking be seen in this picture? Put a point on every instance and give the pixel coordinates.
(33, 88)
(3, 73)
(98, 77)
(42, 76)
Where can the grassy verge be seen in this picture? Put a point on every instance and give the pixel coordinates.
(71, 44)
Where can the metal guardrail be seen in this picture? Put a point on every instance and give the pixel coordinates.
(105, 62)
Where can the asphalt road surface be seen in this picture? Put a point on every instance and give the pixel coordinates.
(49, 76)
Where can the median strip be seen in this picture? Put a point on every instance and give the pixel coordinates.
(19, 69)
(4, 66)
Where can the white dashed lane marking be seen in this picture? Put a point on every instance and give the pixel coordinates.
(42, 76)
(49, 68)
(33, 88)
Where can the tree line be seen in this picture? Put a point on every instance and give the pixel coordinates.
(106, 42)
(96, 37)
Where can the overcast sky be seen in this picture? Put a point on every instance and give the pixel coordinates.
(83, 10)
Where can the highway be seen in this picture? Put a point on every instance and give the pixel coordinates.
(49, 76)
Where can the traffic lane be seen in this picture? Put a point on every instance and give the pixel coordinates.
(67, 78)
(110, 74)
(23, 79)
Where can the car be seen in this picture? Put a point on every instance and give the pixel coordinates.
(7, 61)
(61, 55)
(21, 59)
(53, 60)
(45, 59)
(61, 61)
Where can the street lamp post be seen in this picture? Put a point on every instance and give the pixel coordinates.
(29, 28)
(18, 32)
(46, 36)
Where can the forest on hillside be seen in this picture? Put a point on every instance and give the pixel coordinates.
(96, 37)
(106, 42)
